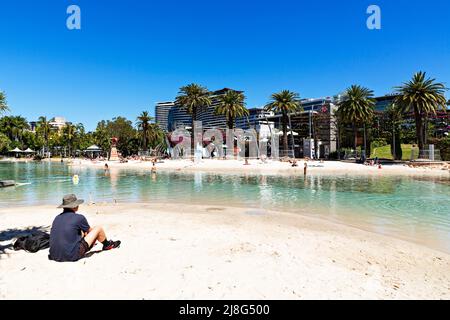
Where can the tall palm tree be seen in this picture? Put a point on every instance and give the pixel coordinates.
(43, 129)
(192, 98)
(155, 135)
(422, 96)
(143, 124)
(69, 132)
(357, 108)
(284, 102)
(232, 106)
(3, 103)
(394, 117)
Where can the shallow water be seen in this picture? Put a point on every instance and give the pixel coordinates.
(417, 209)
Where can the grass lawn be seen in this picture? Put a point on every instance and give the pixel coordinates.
(385, 152)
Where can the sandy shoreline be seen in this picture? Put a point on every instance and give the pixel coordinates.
(201, 252)
(274, 167)
(271, 167)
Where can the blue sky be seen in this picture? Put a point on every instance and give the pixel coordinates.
(131, 54)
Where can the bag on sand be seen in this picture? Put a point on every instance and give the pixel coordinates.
(33, 243)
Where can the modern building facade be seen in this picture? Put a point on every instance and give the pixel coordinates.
(178, 118)
(257, 119)
(315, 122)
(208, 116)
(383, 102)
(162, 111)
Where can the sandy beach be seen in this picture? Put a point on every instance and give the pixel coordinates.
(273, 167)
(200, 252)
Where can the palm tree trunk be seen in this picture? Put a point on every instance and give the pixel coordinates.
(419, 131)
(338, 141)
(145, 139)
(194, 119)
(285, 136)
(355, 132)
(365, 141)
(230, 123)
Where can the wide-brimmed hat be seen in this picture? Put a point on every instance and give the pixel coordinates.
(70, 201)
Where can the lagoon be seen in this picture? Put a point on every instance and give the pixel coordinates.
(413, 208)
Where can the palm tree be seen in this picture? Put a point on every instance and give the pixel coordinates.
(155, 135)
(13, 127)
(3, 103)
(232, 106)
(192, 98)
(421, 96)
(394, 116)
(43, 129)
(143, 124)
(69, 132)
(357, 108)
(284, 102)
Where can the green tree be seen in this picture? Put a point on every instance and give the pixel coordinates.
(3, 103)
(394, 117)
(14, 127)
(284, 102)
(232, 106)
(422, 96)
(4, 143)
(101, 136)
(156, 135)
(357, 108)
(69, 133)
(192, 98)
(143, 124)
(43, 129)
(120, 128)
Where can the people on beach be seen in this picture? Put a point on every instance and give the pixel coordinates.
(71, 236)
(305, 168)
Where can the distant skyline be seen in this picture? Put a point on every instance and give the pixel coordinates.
(129, 55)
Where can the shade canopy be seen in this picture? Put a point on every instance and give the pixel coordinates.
(93, 148)
(29, 151)
(17, 150)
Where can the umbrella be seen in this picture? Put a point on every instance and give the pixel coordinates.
(28, 151)
(16, 150)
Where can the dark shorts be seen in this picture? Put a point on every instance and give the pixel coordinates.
(84, 248)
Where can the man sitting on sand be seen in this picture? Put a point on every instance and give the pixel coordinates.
(71, 237)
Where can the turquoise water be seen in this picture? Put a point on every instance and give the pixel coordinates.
(416, 209)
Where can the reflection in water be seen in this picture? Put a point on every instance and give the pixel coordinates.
(408, 206)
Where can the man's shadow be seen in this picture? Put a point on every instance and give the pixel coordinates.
(91, 253)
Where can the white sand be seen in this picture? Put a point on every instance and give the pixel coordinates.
(271, 167)
(195, 252)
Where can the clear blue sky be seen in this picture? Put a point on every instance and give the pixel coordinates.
(131, 54)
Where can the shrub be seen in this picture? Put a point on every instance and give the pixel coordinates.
(444, 146)
(378, 143)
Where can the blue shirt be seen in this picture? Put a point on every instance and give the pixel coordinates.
(65, 236)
